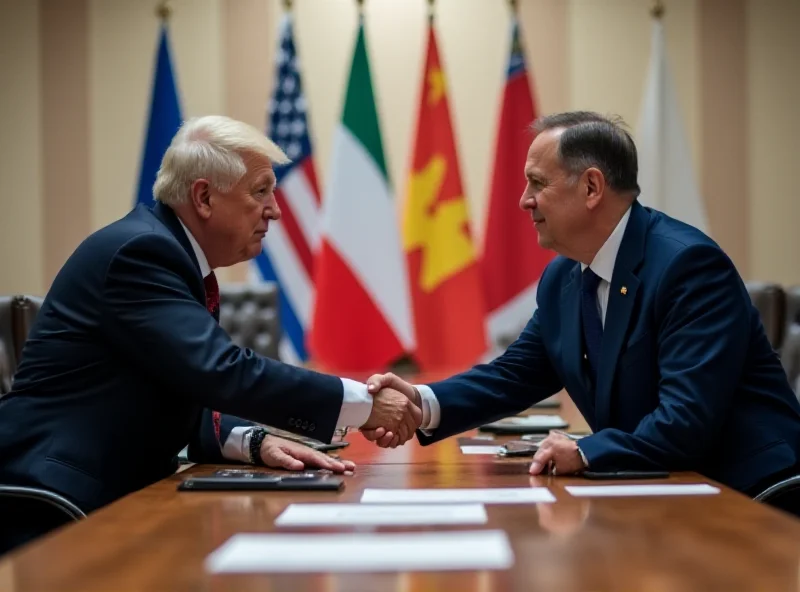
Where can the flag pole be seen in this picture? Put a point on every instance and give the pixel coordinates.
(513, 5)
(163, 10)
(287, 4)
(430, 10)
(657, 10)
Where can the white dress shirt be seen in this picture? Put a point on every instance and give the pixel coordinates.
(602, 265)
(356, 404)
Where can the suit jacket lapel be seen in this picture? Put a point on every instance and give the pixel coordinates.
(621, 300)
(572, 342)
(167, 217)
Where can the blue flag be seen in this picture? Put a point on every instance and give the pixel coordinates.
(165, 119)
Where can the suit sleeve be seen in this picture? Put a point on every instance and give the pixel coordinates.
(519, 378)
(203, 445)
(703, 338)
(152, 318)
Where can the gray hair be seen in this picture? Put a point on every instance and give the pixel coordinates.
(210, 147)
(592, 140)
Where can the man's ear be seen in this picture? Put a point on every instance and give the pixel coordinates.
(200, 196)
(595, 184)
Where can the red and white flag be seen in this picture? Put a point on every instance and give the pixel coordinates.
(512, 259)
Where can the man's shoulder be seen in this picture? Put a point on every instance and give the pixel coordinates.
(140, 224)
(667, 237)
(95, 253)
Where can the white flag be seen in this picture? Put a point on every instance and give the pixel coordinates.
(666, 176)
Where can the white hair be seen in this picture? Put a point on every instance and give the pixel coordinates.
(210, 147)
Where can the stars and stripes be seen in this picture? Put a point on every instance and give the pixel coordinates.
(290, 245)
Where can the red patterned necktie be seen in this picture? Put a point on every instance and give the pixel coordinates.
(212, 304)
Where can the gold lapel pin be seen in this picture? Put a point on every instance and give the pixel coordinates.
(623, 290)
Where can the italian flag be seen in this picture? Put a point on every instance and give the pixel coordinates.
(362, 313)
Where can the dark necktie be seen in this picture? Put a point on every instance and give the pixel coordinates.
(590, 316)
(212, 304)
(212, 294)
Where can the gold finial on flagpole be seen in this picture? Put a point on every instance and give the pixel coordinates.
(163, 10)
(360, 6)
(287, 4)
(657, 10)
(430, 10)
(513, 4)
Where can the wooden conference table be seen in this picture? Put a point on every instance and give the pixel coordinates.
(157, 539)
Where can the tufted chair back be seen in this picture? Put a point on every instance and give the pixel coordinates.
(249, 313)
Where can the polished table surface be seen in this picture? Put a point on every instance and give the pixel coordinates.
(158, 538)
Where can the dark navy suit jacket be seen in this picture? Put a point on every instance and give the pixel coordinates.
(123, 363)
(687, 377)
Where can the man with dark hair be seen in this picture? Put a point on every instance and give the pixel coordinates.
(643, 319)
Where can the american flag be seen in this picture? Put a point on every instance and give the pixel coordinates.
(290, 245)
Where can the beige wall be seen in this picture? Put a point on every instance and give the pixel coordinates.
(588, 54)
(67, 195)
(21, 238)
(474, 39)
(774, 94)
(609, 52)
(123, 42)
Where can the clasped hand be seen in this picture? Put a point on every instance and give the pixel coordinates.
(396, 411)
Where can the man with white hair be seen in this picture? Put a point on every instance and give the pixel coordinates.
(126, 363)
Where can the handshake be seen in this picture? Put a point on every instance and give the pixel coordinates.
(396, 411)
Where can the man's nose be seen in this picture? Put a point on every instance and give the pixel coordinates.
(527, 202)
(272, 211)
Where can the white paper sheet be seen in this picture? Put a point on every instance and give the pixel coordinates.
(539, 421)
(380, 515)
(509, 495)
(475, 449)
(314, 553)
(640, 490)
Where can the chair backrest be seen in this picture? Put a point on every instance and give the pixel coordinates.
(8, 351)
(770, 300)
(24, 310)
(784, 495)
(790, 355)
(250, 315)
(792, 305)
(29, 512)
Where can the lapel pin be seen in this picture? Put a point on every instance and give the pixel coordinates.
(623, 290)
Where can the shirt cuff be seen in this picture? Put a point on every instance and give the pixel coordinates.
(356, 404)
(583, 457)
(431, 412)
(233, 449)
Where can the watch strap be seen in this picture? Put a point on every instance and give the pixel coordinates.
(256, 437)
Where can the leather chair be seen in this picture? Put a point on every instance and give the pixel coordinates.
(790, 356)
(770, 300)
(29, 512)
(8, 358)
(784, 495)
(792, 305)
(24, 310)
(249, 313)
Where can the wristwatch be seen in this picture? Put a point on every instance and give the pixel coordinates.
(253, 439)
